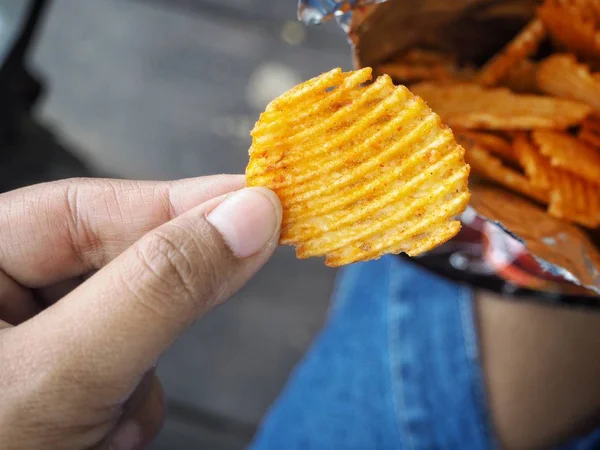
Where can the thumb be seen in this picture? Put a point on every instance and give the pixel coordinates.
(113, 327)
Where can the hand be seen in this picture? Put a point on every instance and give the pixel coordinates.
(97, 279)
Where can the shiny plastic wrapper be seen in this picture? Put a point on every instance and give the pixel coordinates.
(504, 236)
(314, 12)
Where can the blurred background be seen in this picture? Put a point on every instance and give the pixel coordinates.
(165, 89)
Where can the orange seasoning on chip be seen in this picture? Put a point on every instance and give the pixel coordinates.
(361, 170)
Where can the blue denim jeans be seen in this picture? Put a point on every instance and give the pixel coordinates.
(396, 367)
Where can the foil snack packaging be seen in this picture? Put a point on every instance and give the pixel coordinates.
(508, 243)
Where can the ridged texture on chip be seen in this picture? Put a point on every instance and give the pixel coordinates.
(360, 171)
(570, 197)
(522, 46)
(563, 76)
(568, 153)
(522, 78)
(418, 65)
(590, 132)
(491, 142)
(573, 25)
(574, 199)
(490, 167)
(590, 137)
(410, 73)
(536, 166)
(421, 56)
(473, 106)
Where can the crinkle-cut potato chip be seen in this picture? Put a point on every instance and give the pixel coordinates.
(587, 9)
(490, 167)
(361, 171)
(590, 132)
(569, 153)
(472, 106)
(409, 72)
(535, 165)
(491, 142)
(422, 56)
(574, 199)
(522, 78)
(571, 197)
(420, 65)
(522, 46)
(590, 137)
(590, 9)
(573, 26)
(561, 75)
(592, 123)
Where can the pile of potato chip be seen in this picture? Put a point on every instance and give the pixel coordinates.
(530, 117)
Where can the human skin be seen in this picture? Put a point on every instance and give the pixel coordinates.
(541, 369)
(97, 279)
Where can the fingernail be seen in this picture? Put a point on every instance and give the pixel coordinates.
(127, 437)
(247, 220)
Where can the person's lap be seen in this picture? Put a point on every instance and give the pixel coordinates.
(397, 366)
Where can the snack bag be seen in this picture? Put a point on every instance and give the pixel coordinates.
(518, 81)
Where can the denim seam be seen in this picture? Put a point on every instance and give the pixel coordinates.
(398, 396)
(470, 338)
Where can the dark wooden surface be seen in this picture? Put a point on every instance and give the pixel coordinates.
(168, 89)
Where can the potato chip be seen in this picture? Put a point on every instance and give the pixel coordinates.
(490, 167)
(570, 197)
(469, 105)
(360, 171)
(495, 144)
(561, 75)
(572, 26)
(522, 78)
(568, 153)
(425, 57)
(592, 123)
(536, 167)
(409, 73)
(589, 132)
(589, 137)
(421, 65)
(589, 9)
(522, 46)
(574, 199)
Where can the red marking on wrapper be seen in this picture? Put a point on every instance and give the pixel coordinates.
(511, 260)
